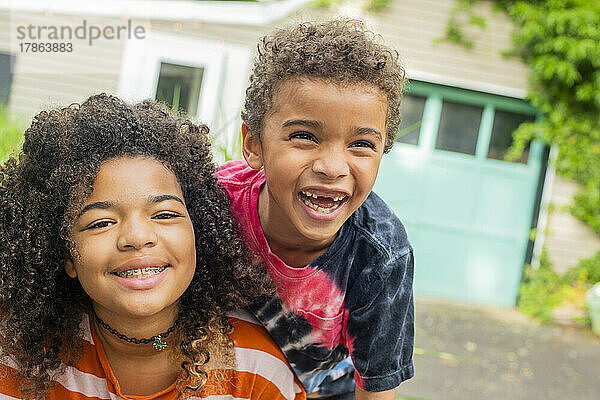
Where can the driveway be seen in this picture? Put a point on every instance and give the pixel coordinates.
(465, 352)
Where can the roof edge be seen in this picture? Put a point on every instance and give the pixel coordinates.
(260, 13)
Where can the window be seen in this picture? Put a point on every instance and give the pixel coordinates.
(505, 123)
(412, 115)
(459, 127)
(6, 63)
(179, 87)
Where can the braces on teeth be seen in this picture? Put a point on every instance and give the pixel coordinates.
(140, 272)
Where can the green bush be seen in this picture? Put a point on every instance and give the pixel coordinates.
(542, 290)
(587, 272)
(539, 290)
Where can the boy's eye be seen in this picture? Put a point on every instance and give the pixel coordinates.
(166, 215)
(363, 143)
(99, 224)
(304, 136)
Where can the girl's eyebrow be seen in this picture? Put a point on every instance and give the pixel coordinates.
(104, 205)
(164, 197)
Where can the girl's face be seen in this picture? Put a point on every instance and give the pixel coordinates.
(134, 241)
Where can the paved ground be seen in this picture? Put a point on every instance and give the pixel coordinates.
(465, 352)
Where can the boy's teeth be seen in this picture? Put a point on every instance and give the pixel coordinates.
(337, 198)
(140, 272)
(319, 209)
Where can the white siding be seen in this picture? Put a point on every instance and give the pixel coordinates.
(412, 27)
(43, 80)
(568, 240)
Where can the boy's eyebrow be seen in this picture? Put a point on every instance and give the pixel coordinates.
(370, 131)
(304, 122)
(103, 205)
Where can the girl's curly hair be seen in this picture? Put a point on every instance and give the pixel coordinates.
(342, 51)
(40, 306)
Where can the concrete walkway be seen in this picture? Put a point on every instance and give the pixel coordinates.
(465, 352)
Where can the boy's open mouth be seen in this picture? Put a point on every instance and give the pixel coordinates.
(322, 204)
(140, 273)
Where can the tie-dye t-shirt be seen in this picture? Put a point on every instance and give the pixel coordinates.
(354, 299)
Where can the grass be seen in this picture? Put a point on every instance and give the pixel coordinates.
(11, 134)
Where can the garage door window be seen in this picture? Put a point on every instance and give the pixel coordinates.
(459, 127)
(504, 124)
(412, 115)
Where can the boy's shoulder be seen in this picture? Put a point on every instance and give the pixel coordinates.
(238, 172)
(375, 220)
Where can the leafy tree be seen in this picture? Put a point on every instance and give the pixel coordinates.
(560, 41)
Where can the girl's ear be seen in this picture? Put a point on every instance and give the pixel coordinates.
(70, 267)
(251, 148)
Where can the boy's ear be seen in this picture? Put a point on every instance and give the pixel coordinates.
(251, 148)
(70, 267)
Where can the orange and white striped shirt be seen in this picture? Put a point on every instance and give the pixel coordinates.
(261, 372)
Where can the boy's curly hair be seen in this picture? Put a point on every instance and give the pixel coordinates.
(343, 51)
(41, 308)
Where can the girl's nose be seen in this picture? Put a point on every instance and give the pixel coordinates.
(136, 233)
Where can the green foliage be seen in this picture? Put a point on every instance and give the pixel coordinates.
(542, 290)
(373, 6)
(539, 291)
(454, 32)
(222, 152)
(586, 272)
(11, 134)
(376, 6)
(324, 3)
(560, 41)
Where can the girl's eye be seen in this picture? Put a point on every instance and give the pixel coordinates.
(303, 136)
(166, 215)
(99, 224)
(363, 143)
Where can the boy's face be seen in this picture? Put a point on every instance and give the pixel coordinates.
(321, 146)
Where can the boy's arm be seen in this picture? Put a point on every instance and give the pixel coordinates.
(380, 325)
(386, 395)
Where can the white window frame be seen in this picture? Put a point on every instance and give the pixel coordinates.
(141, 68)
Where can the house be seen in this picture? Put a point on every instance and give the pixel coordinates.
(468, 212)
(196, 54)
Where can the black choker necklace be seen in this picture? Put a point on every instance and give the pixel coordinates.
(157, 340)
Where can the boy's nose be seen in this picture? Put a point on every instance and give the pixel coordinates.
(136, 234)
(331, 165)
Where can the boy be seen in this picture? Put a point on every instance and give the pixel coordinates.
(321, 109)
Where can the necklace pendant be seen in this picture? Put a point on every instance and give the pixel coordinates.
(159, 344)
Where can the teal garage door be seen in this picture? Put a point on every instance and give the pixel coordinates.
(467, 211)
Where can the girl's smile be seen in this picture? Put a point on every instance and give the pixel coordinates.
(134, 240)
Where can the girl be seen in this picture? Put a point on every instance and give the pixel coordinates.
(118, 262)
